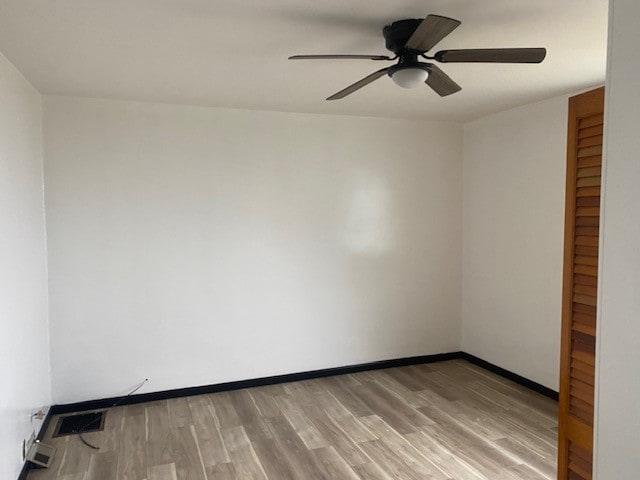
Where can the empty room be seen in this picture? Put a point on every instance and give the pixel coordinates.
(293, 240)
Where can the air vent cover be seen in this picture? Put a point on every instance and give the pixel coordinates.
(84, 422)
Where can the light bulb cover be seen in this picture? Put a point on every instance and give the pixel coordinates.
(409, 76)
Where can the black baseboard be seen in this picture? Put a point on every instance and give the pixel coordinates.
(514, 377)
(256, 382)
(293, 377)
(27, 467)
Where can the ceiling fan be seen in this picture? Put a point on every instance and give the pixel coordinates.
(412, 38)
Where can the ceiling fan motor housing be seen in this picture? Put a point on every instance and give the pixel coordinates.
(398, 33)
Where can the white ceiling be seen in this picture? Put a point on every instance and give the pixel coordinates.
(234, 53)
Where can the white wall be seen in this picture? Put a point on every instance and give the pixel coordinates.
(24, 342)
(513, 222)
(195, 245)
(618, 383)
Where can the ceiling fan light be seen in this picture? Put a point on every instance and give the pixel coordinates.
(409, 77)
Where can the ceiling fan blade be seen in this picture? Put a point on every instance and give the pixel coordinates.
(432, 29)
(339, 57)
(493, 55)
(441, 83)
(358, 85)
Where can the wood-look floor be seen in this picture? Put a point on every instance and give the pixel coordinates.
(447, 420)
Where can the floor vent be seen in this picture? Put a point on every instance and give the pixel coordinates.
(84, 422)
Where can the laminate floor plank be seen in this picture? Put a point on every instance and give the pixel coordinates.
(187, 454)
(443, 421)
(444, 459)
(225, 411)
(336, 436)
(76, 461)
(406, 377)
(370, 471)
(132, 458)
(409, 454)
(337, 387)
(243, 457)
(179, 412)
(73, 476)
(390, 409)
(545, 465)
(244, 406)
(391, 462)
(102, 466)
(222, 471)
(348, 422)
(304, 391)
(265, 401)
(272, 459)
(301, 423)
(162, 472)
(133, 410)
(523, 472)
(333, 465)
(294, 451)
(209, 437)
(409, 395)
(157, 433)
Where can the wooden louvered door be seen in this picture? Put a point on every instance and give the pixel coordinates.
(580, 283)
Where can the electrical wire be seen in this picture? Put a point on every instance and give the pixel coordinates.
(115, 404)
(87, 443)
